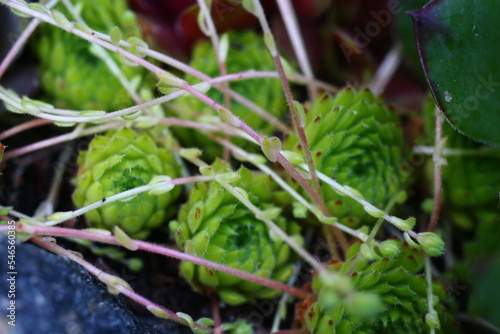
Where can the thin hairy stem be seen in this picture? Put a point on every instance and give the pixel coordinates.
(438, 163)
(367, 206)
(430, 294)
(60, 217)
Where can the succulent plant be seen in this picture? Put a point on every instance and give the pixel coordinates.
(357, 141)
(72, 76)
(214, 225)
(246, 51)
(119, 161)
(379, 294)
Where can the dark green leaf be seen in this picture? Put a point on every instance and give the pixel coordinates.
(459, 49)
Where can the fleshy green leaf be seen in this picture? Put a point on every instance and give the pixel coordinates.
(458, 46)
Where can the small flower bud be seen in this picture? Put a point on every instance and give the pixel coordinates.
(431, 243)
(432, 320)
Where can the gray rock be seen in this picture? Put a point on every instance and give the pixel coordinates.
(54, 295)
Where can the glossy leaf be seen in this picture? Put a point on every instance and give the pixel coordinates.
(458, 46)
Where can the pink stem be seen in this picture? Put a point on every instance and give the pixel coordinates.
(302, 136)
(216, 314)
(23, 127)
(109, 239)
(436, 208)
(56, 140)
(146, 302)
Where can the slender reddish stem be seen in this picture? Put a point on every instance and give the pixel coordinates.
(23, 127)
(301, 133)
(57, 140)
(436, 208)
(109, 239)
(216, 314)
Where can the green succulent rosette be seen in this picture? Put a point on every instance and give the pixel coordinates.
(247, 51)
(119, 161)
(357, 141)
(72, 76)
(381, 293)
(214, 225)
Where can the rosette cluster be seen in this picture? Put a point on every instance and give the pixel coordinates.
(357, 141)
(246, 51)
(215, 225)
(119, 161)
(379, 293)
(72, 76)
